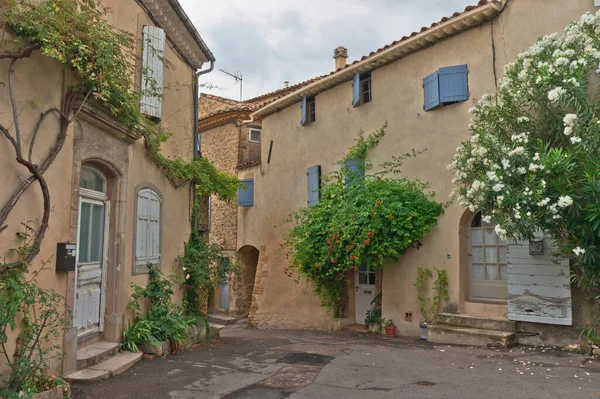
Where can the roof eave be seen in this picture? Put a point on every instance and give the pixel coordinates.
(170, 16)
(443, 30)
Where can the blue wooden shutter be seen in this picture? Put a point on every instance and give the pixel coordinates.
(303, 109)
(356, 89)
(431, 91)
(314, 178)
(355, 170)
(454, 85)
(246, 198)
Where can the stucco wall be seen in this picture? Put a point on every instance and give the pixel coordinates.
(397, 99)
(42, 80)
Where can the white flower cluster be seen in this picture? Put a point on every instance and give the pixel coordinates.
(503, 168)
(579, 251)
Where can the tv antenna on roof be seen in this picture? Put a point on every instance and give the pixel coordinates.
(237, 77)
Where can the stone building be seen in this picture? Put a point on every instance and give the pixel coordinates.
(232, 144)
(110, 202)
(422, 85)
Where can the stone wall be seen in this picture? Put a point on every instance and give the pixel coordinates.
(220, 145)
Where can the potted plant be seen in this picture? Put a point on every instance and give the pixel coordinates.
(430, 306)
(390, 327)
(373, 320)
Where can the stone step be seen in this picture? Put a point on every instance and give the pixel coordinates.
(215, 329)
(220, 318)
(444, 334)
(95, 353)
(110, 367)
(476, 321)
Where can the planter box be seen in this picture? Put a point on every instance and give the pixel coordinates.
(55, 393)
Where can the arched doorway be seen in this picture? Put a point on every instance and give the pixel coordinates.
(487, 266)
(243, 284)
(92, 252)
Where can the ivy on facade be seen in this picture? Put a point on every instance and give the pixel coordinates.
(359, 220)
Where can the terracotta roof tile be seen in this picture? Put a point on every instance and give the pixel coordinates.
(247, 164)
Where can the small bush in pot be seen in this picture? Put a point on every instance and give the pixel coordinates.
(430, 306)
(373, 320)
(390, 327)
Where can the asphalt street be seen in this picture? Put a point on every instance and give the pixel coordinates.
(261, 364)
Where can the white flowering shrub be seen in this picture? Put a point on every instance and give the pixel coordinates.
(533, 159)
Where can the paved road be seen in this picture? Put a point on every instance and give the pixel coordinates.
(262, 364)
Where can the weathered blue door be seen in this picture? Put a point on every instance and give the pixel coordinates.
(224, 295)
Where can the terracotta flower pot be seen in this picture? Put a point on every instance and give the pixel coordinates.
(390, 331)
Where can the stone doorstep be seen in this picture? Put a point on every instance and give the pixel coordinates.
(476, 321)
(223, 319)
(444, 334)
(106, 369)
(215, 329)
(93, 354)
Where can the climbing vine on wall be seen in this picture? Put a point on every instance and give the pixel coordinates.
(357, 221)
(76, 34)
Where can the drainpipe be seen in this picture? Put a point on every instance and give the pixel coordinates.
(197, 150)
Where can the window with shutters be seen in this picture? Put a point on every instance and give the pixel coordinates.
(355, 171)
(147, 229)
(153, 50)
(254, 135)
(313, 176)
(361, 88)
(246, 193)
(446, 86)
(309, 111)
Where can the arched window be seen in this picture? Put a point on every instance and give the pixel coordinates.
(148, 229)
(488, 252)
(91, 179)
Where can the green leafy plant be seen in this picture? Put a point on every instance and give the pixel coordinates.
(162, 320)
(204, 268)
(430, 306)
(358, 220)
(531, 163)
(373, 317)
(35, 311)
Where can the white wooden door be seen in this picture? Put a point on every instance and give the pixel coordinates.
(539, 286)
(364, 292)
(90, 277)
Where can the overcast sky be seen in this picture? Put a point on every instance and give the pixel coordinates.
(271, 41)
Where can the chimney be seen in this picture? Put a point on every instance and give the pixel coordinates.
(340, 54)
(286, 83)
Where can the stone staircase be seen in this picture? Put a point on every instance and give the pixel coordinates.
(100, 361)
(218, 321)
(472, 330)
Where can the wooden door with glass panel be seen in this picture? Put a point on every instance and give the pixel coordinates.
(487, 269)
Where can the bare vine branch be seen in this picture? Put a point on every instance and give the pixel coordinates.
(13, 103)
(23, 52)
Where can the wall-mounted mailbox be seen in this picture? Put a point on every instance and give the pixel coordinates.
(536, 247)
(65, 257)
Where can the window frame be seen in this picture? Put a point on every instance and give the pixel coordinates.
(250, 129)
(311, 110)
(141, 266)
(366, 78)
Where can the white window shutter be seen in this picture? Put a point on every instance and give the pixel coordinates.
(154, 236)
(148, 228)
(152, 70)
(140, 240)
